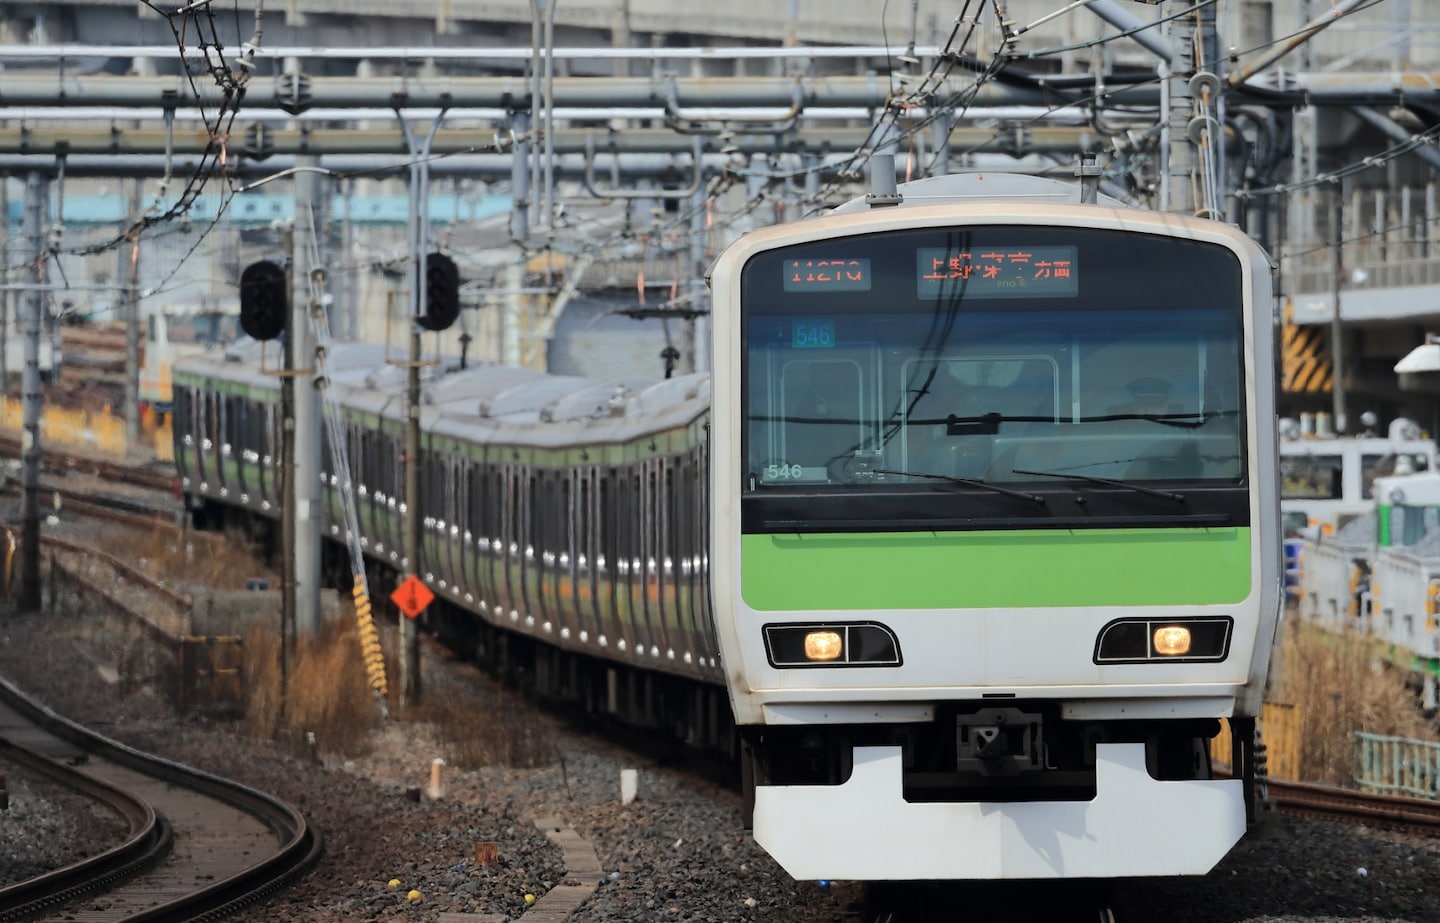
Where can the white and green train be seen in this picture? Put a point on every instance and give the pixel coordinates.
(995, 540)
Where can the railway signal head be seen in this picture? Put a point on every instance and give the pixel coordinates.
(442, 292)
(264, 300)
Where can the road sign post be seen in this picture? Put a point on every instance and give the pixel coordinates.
(412, 596)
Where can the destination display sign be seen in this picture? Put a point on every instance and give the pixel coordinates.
(997, 272)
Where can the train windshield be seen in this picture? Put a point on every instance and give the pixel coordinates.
(998, 354)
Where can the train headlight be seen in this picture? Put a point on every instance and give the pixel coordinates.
(823, 645)
(1187, 640)
(831, 644)
(1172, 640)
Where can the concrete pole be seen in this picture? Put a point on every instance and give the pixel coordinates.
(132, 323)
(288, 552)
(308, 421)
(1179, 179)
(7, 243)
(1337, 329)
(37, 200)
(513, 308)
(696, 347)
(410, 684)
(411, 688)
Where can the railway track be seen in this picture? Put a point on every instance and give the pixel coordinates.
(200, 847)
(1346, 806)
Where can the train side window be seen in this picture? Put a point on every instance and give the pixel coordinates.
(608, 516)
(581, 542)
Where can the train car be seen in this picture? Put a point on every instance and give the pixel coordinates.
(227, 426)
(176, 332)
(562, 520)
(995, 543)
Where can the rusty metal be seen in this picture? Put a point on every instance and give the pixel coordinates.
(1340, 805)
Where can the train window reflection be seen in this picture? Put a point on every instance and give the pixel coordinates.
(1104, 399)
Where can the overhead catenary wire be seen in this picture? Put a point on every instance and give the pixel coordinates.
(905, 120)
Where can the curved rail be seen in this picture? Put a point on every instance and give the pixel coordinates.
(149, 838)
(299, 844)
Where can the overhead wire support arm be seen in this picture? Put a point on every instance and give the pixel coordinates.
(613, 193)
(687, 124)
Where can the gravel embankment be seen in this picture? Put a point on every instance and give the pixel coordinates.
(676, 853)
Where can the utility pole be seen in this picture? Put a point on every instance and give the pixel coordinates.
(1337, 330)
(37, 198)
(410, 685)
(6, 244)
(289, 595)
(308, 421)
(1177, 181)
(132, 322)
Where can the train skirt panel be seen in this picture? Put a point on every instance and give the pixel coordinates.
(864, 829)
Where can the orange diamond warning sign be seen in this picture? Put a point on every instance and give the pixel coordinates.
(412, 596)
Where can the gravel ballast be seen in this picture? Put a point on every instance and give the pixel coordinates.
(677, 852)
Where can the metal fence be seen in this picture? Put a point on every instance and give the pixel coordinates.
(1397, 766)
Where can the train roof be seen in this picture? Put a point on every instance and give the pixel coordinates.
(483, 401)
(981, 185)
(256, 364)
(556, 411)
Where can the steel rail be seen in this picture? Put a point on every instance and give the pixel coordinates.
(148, 838)
(299, 844)
(1325, 802)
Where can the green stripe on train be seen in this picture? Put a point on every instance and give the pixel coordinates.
(925, 570)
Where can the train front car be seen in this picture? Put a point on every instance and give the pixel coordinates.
(995, 539)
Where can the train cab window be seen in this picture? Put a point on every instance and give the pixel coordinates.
(1409, 525)
(954, 409)
(821, 414)
(989, 357)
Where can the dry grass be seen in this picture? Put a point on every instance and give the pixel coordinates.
(327, 694)
(326, 691)
(1340, 684)
(472, 733)
(208, 559)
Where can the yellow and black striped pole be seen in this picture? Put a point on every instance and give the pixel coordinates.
(1305, 366)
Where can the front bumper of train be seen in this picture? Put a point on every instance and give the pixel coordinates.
(864, 830)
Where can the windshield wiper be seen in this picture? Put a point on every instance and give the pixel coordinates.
(971, 482)
(1112, 482)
